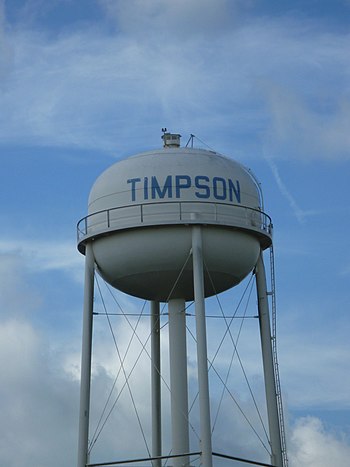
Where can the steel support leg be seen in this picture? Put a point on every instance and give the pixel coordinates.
(202, 360)
(86, 358)
(178, 380)
(156, 384)
(269, 374)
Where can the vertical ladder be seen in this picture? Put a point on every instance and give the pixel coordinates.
(275, 360)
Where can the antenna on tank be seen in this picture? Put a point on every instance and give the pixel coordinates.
(190, 140)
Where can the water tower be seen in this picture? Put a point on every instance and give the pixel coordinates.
(151, 216)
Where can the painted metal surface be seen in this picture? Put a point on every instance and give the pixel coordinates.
(166, 186)
(269, 373)
(202, 358)
(174, 225)
(140, 211)
(83, 437)
(156, 384)
(174, 174)
(178, 381)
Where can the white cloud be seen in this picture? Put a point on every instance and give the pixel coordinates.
(19, 345)
(17, 296)
(41, 392)
(38, 403)
(312, 446)
(39, 400)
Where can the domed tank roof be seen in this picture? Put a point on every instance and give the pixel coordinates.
(174, 174)
(140, 211)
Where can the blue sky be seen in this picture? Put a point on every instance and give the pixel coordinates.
(85, 83)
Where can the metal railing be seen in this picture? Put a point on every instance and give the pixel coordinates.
(173, 212)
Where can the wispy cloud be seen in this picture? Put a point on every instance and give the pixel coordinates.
(40, 255)
(176, 20)
(308, 124)
(345, 271)
(299, 213)
(89, 88)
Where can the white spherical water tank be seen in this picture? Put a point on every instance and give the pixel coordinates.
(140, 215)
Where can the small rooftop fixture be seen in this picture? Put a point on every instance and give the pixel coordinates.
(170, 140)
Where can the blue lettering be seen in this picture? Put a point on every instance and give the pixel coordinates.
(145, 188)
(181, 181)
(161, 192)
(234, 189)
(133, 182)
(219, 191)
(206, 190)
(219, 188)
